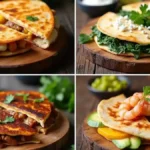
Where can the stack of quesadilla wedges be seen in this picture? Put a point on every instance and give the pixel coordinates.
(24, 114)
(32, 19)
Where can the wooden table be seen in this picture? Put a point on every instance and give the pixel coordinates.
(86, 102)
(12, 83)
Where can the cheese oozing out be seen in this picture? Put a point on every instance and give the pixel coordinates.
(45, 43)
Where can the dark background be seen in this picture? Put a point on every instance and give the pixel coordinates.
(65, 12)
(86, 102)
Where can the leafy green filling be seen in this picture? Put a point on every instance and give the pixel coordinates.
(115, 45)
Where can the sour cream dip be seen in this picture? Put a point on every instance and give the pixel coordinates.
(97, 2)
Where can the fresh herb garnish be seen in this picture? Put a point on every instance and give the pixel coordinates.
(25, 96)
(7, 120)
(146, 91)
(84, 38)
(140, 18)
(119, 46)
(32, 18)
(9, 99)
(39, 100)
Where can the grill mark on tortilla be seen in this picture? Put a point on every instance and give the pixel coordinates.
(2, 29)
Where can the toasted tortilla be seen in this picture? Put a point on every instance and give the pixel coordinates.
(135, 6)
(8, 35)
(17, 12)
(105, 25)
(108, 113)
(37, 111)
(15, 128)
(106, 48)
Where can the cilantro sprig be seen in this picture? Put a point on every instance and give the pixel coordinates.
(9, 99)
(7, 120)
(146, 91)
(25, 96)
(32, 18)
(39, 100)
(140, 18)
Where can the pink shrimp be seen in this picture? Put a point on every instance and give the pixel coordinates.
(134, 107)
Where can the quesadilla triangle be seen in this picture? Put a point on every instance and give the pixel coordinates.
(108, 113)
(12, 42)
(33, 108)
(33, 18)
(13, 131)
(135, 6)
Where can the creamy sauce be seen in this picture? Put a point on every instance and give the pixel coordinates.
(97, 2)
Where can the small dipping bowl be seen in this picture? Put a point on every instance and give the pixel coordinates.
(105, 94)
(97, 10)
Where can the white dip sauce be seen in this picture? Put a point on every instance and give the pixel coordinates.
(97, 2)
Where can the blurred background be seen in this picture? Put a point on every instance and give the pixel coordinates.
(58, 89)
(92, 89)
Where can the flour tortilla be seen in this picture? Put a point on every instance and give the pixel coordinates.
(134, 6)
(105, 25)
(106, 48)
(17, 12)
(107, 111)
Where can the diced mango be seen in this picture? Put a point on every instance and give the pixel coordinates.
(111, 134)
(2, 19)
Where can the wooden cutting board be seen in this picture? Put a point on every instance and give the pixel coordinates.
(36, 61)
(54, 140)
(94, 141)
(110, 61)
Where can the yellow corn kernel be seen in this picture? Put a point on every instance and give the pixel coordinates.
(25, 31)
(29, 35)
(2, 20)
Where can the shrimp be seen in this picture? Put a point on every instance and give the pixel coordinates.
(134, 107)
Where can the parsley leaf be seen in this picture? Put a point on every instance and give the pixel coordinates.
(83, 38)
(9, 99)
(140, 18)
(25, 96)
(31, 18)
(39, 100)
(146, 91)
(7, 120)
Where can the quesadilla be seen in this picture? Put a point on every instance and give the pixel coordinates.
(12, 42)
(108, 113)
(125, 33)
(33, 18)
(33, 108)
(13, 131)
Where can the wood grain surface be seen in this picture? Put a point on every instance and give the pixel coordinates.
(54, 140)
(86, 103)
(36, 61)
(110, 61)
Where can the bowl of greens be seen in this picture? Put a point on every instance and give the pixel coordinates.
(108, 86)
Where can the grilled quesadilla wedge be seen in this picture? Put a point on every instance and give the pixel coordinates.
(135, 6)
(12, 42)
(108, 113)
(33, 108)
(13, 131)
(34, 18)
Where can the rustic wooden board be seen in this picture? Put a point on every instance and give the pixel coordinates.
(54, 140)
(36, 61)
(110, 61)
(95, 141)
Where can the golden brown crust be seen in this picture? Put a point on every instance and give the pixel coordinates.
(17, 11)
(15, 128)
(37, 111)
(8, 35)
(105, 25)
